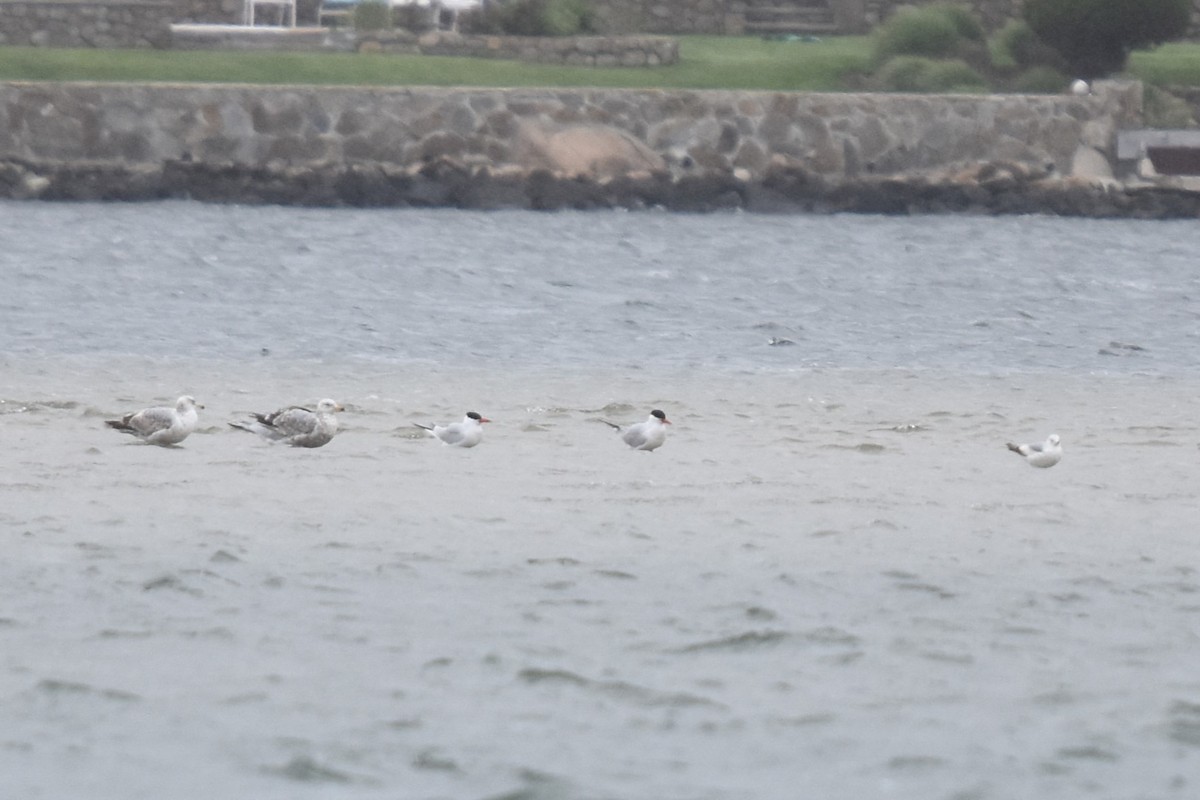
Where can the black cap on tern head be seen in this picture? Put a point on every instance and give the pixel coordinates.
(474, 415)
(659, 414)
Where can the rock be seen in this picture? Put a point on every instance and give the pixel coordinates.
(597, 151)
(1090, 164)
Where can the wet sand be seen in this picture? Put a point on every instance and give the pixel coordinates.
(833, 584)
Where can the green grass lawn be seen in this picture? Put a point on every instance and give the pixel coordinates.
(1176, 64)
(706, 62)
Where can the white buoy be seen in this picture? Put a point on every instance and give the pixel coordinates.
(1079, 87)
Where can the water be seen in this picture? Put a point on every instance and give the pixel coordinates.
(599, 289)
(833, 581)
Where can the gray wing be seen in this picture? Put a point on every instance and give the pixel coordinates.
(152, 420)
(294, 421)
(635, 436)
(451, 434)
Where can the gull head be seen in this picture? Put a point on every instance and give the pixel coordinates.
(328, 406)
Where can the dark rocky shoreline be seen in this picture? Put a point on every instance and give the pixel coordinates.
(987, 189)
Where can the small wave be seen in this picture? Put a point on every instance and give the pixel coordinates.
(303, 769)
(742, 641)
(619, 690)
(54, 686)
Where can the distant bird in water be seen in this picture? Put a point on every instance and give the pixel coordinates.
(1042, 455)
(648, 435)
(467, 433)
(296, 425)
(160, 425)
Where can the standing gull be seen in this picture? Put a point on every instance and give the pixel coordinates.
(296, 425)
(467, 433)
(160, 425)
(1046, 454)
(646, 435)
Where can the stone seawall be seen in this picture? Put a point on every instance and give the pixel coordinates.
(527, 148)
(586, 131)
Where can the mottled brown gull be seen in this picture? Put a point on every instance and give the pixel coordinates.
(296, 425)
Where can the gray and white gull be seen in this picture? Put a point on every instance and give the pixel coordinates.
(160, 425)
(1043, 455)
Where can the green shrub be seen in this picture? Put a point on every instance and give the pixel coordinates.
(927, 75)
(1162, 109)
(923, 32)
(964, 21)
(537, 18)
(1040, 80)
(956, 76)
(1017, 42)
(1095, 37)
(416, 18)
(372, 15)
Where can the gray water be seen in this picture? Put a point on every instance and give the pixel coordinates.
(833, 581)
(588, 290)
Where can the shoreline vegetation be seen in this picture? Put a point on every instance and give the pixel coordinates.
(706, 62)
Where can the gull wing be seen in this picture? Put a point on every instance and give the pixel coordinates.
(149, 421)
(292, 421)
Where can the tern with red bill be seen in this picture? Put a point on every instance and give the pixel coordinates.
(467, 433)
(646, 435)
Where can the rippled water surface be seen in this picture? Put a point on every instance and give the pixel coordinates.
(832, 582)
(599, 289)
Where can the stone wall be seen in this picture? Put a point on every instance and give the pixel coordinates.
(592, 51)
(66, 23)
(568, 131)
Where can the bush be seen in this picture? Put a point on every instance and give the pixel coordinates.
(1095, 37)
(1018, 42)
(372, 15)
(537, 17)
(1041, 80)
(927, 75)
(416, 18)
(1164, 110)
(923, 32)
(935, 31)
(964, 21)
